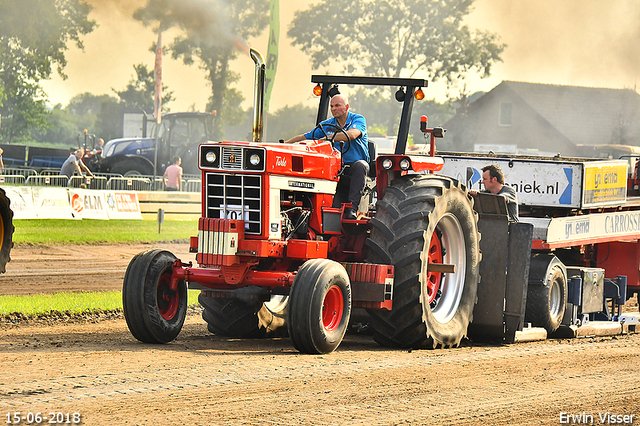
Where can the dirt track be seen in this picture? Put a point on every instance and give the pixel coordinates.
(47, 269)
(100, 371)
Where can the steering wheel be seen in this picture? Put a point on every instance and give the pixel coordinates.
(321, 128)
(331, 138)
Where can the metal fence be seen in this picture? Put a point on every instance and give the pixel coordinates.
(108, 181)
(10, 171)
(12, 179)
(129, 184)
(88, 182)
(61, 181)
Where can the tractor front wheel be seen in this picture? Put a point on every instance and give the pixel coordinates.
(319, 306)
(154, 310)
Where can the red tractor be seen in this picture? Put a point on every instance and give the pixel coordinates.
(272, 253)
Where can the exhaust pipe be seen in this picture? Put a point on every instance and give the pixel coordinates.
(258, 95)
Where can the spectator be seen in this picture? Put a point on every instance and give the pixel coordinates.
(74, 164)
(1, 161)
(172, 177)
(99, 147)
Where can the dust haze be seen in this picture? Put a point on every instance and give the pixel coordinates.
(570, 42)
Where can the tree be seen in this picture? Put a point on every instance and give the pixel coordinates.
(109, 122)
(140, 91)
(290, 121)
(34, 35)
(63, 127)
(395, 38)
(87, 104)
(24, 109)
(212, 32)
(98, 114)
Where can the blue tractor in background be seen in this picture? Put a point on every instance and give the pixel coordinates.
(177, 134)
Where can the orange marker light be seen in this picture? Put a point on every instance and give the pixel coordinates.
(317, 90)
(419, 95)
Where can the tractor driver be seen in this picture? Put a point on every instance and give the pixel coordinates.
(356, 158)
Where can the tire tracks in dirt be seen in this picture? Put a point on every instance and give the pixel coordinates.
(98, 367)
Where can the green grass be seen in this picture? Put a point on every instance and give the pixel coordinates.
(60, 231)
(86, 231)
(73, 302)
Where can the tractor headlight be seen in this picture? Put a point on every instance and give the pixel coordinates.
(210, 156)
(387, 164)
(253, 159)
(405, 164)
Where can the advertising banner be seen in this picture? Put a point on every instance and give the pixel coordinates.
(21, 199)
(52, 203)
(605, 183)
(122, 205)
(88, 204)
(537, 183)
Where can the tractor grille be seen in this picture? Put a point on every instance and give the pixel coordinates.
(238, 197)
(232, 158)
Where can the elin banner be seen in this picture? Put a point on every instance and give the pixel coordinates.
(122, 205)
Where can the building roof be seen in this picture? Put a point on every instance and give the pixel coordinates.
(584, 115)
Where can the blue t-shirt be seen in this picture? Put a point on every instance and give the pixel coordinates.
(359, 146)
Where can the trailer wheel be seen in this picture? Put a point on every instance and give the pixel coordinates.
(424, 219)
(6, 230)
(547, 292)
(319, 306)
(154, 311)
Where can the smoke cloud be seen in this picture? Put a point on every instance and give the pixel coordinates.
(569, 42)
(577, 42)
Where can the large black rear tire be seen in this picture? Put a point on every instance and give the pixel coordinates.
(154, 312)
(6, 230)
(234, 318)
(244, 318)
(425, 219)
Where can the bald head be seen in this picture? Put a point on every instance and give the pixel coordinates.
(340, 98)
(339, 108)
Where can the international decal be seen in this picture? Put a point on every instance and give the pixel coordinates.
(297, 184)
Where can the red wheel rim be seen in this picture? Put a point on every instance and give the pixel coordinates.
(434, 278)
(332, 308)
(168, 300)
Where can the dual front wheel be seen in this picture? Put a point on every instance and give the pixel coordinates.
(318, 307)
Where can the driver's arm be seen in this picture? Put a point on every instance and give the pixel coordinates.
(353, 134)
(296, 139)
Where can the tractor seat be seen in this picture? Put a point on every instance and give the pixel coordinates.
(373, 152)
